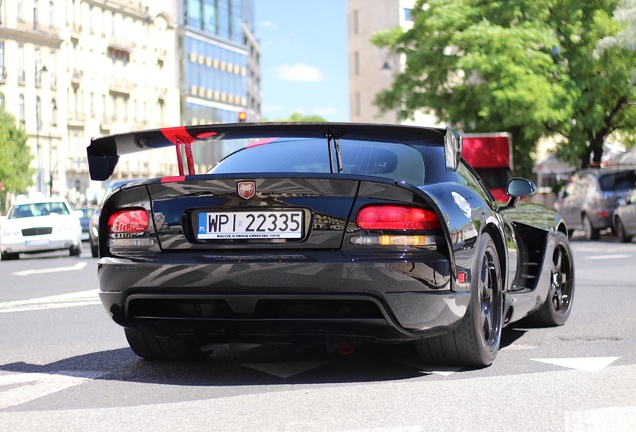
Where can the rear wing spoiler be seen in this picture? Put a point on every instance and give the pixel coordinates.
(103, 153)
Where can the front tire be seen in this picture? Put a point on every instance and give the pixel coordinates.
(475, 343)
(8, 256)
(151, 347)
(558, 304)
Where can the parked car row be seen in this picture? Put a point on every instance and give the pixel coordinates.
(596, 199)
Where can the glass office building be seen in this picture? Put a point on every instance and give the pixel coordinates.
(219, 64)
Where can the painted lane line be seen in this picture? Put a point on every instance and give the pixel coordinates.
(589, 364)
(81, 298)
(25, 387)
(79, 266)
(609, 257)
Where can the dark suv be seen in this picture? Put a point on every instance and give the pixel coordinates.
(589, 199)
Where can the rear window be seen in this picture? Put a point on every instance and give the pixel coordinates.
(623, 180)
(393, 161)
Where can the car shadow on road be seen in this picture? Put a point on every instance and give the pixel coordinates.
(262, 365)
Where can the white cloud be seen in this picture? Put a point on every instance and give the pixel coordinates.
(326, 112)
(269, 24)
(299, 72)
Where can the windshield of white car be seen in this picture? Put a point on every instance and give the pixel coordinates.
(38, 209)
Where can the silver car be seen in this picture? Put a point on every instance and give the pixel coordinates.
(589, 199)
(625, 218)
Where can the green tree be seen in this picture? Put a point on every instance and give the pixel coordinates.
(299, 118)
(15, 159)
(528, 67)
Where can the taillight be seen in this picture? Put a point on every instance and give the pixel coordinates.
(129, 221)
(128, 231)
(392, 217)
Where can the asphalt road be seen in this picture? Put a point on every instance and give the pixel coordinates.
(65, 366)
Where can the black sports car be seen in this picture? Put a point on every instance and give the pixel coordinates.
(331, 233)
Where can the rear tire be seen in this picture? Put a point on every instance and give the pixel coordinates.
(558, 305)
(75, 250)
(94, 251)
(591, 233)
(620, 231)
(475, 343)
(153, 347)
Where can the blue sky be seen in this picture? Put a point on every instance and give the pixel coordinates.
(304, 66)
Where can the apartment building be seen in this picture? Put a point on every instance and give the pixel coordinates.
(71, 70)
(372, 69)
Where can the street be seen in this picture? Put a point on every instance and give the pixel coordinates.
(65, 366)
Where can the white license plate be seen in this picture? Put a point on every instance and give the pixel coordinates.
(255, 224)
(38, 242)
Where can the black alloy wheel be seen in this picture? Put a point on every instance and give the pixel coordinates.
(475, 342)
(558, 303)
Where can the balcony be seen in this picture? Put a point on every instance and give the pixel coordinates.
(3, 74)
(76, 77)
(121, 85)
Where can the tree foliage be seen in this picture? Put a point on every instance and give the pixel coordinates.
(533, 68)
(15, 159)
(297, 117)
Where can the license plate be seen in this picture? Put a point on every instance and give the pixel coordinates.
(255, 224)
(38, 242)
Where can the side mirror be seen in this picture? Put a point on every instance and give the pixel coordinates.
(520, 187)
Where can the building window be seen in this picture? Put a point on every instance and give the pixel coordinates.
(355, 22)
(356, 62)
(51, 15)
(3, 72)
(53, 112)
(38, 113)
(21, 73)
(408, 14)
(357, 104)
(21, 115)
(193, 13)
(36, 13)
(2, 102)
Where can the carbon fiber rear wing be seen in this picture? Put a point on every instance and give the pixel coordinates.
(103, 153)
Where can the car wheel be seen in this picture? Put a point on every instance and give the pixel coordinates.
(558, 305)
(94, 251)
(153, 347)
(591, 233)
(620, 231)
(76, 250)
(475, 342)
(7, 256)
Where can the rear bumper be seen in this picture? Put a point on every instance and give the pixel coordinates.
(382, 301)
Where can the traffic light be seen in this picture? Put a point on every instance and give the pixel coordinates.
(242, 116)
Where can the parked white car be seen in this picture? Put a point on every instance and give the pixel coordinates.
(40, 225)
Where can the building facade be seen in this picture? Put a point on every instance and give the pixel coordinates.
(372, 69)
(71, 70)
(219, 61)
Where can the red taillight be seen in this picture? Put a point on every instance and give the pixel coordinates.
(128, 221)
(392, 217)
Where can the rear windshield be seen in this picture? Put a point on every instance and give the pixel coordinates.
(38, 209)
(388, 160)
(623, 180)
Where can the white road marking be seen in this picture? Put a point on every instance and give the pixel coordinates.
(285, 370)
(81, 298)
(590, 364)
(437, 370)
(30, 386)
(615, 419)
(79, 266)
(608, 257)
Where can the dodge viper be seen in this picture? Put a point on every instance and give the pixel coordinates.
(331, 233)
